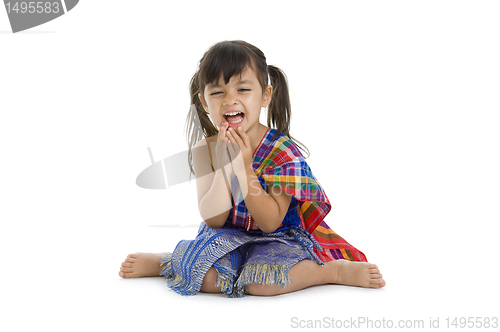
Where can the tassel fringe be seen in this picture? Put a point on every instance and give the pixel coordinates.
(263, 274)
(174, 281)
(225, 280)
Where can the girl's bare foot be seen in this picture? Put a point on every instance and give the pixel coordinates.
(356, 274)
(141, 264)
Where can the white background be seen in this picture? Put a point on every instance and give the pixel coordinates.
(397, 101)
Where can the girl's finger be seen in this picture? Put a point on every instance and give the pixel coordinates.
(222, 130)
(230, 137)
(244, 136)
(235, 148)
(236, 137)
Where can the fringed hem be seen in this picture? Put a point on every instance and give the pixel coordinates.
(225, 280)
(174, 281)
(264, 274)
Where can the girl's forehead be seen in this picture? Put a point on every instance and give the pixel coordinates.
(248, 75)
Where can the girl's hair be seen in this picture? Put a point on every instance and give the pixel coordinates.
(231, 58)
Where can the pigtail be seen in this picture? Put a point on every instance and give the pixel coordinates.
(279, 111)
(198, 123)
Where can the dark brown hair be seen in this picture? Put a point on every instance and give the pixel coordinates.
(231, 58)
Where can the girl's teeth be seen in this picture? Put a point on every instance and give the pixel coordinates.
(236, 121)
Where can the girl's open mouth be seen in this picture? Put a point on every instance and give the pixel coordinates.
(235, 118)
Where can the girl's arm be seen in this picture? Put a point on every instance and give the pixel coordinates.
(267, 209)
(214, 194)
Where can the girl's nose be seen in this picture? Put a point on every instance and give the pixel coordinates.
(230, 99)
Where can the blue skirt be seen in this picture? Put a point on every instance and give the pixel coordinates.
(240, 258)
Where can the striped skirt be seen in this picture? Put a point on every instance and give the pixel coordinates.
(240, 258)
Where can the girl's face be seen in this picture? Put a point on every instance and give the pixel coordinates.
(238, 102)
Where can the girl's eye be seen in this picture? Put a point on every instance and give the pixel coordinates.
(215, 93)
(244, 90)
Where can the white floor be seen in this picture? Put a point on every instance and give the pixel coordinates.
(74, 288)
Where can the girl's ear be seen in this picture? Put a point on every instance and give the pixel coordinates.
(205, 106)
(268, 93)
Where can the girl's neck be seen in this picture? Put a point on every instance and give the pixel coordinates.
(256, 134)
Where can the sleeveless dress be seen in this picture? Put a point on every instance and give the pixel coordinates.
(240, 252)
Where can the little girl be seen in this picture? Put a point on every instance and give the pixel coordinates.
(264, 231)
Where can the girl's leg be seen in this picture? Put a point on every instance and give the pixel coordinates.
(304, 274)
(308, 273)
(141, 264)
(210, 281)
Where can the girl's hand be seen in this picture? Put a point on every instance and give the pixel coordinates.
(241, 160)
(222, 157)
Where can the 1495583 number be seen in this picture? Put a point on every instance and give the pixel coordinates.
(472, 322)
(33, 7)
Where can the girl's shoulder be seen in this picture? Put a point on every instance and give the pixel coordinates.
(205, 141)
(202, 143)
(209, 139)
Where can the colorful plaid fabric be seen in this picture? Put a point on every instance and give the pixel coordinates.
(239, 215)
(280, 164)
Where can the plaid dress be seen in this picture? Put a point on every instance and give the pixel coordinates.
(240, 252)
